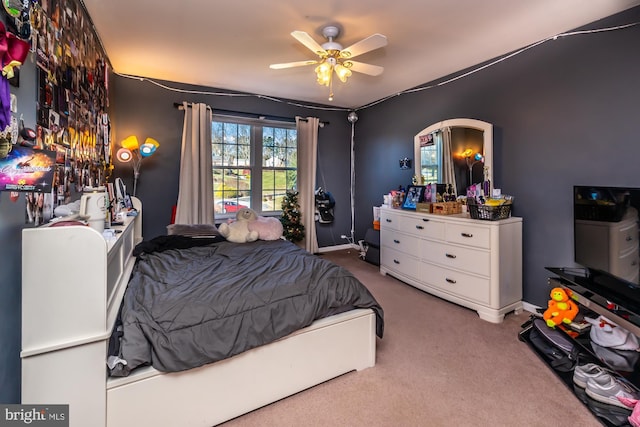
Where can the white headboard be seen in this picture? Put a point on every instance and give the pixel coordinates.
(72, 282)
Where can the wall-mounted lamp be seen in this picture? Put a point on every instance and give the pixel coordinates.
(471, 160)
(132, 151)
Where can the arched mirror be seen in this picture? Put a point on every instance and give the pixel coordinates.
(455, 151)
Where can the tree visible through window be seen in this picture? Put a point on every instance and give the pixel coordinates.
(254, 165)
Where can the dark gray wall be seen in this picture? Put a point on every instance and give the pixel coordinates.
(565, 113)
(12, 220)
(145, 109)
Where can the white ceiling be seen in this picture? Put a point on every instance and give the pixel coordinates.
(230, 44)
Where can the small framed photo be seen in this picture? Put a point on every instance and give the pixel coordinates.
(415, 195)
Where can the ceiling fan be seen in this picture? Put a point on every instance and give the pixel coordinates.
(332, 57)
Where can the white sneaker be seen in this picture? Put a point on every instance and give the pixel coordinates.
(608, 389)
(582, 373)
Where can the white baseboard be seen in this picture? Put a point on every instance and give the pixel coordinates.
(338, 248)
(531, 308)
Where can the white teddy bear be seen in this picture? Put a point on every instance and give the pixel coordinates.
(238, 230)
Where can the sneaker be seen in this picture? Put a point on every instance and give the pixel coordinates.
(614, 415)
(582, 373)
(608, 389)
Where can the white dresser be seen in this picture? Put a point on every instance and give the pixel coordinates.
(474, 263)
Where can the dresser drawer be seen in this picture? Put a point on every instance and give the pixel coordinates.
(400, 262)
(389, 219)
(626, 264)
(627, 237)
(469, 234)
(460, 284)
(423, 227)
(417, 225)
(451, 256)
(400, 242)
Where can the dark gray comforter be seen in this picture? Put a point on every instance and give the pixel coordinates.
(187, 307)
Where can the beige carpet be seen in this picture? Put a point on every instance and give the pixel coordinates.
(438, 365)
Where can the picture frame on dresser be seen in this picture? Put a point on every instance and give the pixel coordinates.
(414, 195)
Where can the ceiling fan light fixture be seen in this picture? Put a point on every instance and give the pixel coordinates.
(323, 73)
(332, 57)
(342, 72)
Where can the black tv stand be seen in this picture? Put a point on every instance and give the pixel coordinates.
(596, 295)
(603, 294)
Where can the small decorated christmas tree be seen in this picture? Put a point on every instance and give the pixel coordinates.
(290, 219)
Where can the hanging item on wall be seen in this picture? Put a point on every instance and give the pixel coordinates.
(18, 16)
(324, 206)
(8, 137)
(25, 169)
(405, 163)
(13, 52)
(72, 93)
(26, 136)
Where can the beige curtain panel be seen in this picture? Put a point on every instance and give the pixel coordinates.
(195, 194)
(307, 160)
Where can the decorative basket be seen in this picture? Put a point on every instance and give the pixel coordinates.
(489, 213)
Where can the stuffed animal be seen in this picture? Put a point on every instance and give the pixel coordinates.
(268, 227)
(238, 230)
(561, 309)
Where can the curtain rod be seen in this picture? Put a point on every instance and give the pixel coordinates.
(178, 105)
(251, 115)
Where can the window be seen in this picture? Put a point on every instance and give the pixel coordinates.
(254, 164)
(430, 164)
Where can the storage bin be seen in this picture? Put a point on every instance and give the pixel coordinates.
(489, 213)
(446, 208)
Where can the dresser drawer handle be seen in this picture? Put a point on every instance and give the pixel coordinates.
(419, 227)
(629, 238)
(396, 261)
(426, 219)
(388, 220)
(450, 256)
(396, 241)
(450, 280)
(466, 234)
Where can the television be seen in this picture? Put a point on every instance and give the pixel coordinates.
(606, 241)
(605, 224)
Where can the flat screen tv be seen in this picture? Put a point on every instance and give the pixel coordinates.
(606, 239)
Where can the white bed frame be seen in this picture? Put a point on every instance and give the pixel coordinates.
(73, 281)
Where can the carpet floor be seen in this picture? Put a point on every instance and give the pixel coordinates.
(438, 364)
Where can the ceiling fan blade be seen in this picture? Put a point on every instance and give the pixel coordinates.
(373, 42)
(361, 67)
(308, 41)
(292, 64)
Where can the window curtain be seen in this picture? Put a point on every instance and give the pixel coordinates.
(307, 130)
(448, 168)
(195, 193)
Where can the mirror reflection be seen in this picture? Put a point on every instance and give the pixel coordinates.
(456, 152)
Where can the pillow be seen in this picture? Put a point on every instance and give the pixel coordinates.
(193, 230)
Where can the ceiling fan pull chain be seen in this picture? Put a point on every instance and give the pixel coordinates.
(331, 86)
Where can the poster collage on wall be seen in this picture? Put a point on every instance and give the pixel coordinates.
(72, 125)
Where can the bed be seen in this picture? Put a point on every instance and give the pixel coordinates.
(74, 285)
